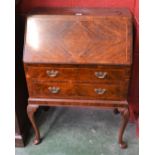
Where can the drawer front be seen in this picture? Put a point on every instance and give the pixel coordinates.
(91, 74)
(50, 90)
(102, 91)
(51, 73)
(78, 90)
(102, 74)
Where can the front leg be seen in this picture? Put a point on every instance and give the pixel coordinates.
(31, 109)
(125, 117)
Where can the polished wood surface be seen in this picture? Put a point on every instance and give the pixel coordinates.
(31, 109)
(125, 117)
(79, 38)
(78, 91)
(85, 11)
(78, 102)
(72, 85)
(73, 72)
(79, 57)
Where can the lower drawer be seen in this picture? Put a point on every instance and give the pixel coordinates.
(78, 90)
(102, 91)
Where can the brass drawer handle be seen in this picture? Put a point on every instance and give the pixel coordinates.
(52, 73)
(54, 90)
(101, 75)
(100, 91)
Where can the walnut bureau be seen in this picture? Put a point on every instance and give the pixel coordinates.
(78, 57)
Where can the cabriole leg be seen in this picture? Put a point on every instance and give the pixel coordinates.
(31, 109)
(125, 117)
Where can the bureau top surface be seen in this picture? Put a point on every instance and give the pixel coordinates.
(79, 36)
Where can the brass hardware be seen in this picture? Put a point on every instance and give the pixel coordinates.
(101, 75)
(52, 73)
(100, 91)
(54, 90)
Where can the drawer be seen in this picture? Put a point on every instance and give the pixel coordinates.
(80, 74)
(78, 90)
(102, 91)
(50, 90)
(102, 74)
(51, 73)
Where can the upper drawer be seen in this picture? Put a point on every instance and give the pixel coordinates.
(83, 36)
(81, 74)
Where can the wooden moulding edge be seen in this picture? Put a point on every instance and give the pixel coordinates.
(78, 102)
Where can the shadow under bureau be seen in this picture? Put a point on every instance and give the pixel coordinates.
(78, 57)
